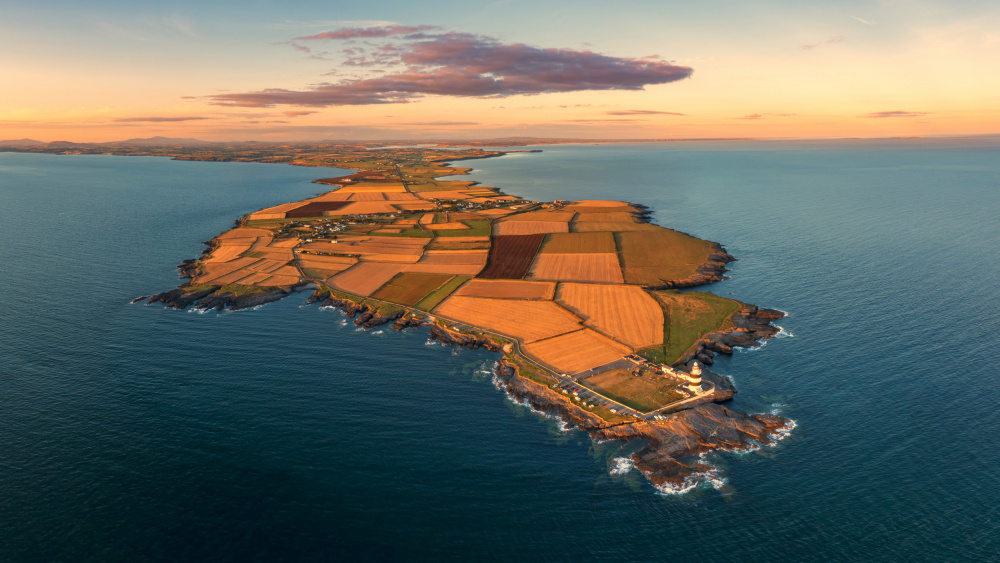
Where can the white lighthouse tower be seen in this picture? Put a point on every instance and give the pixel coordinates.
(694, 381)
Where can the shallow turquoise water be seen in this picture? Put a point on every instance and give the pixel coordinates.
(133, 432)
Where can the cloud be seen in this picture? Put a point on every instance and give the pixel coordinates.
(862, 20)
(762, 115)
(834, 39)
(464, 65)
(897, 113)
(298, 113)
(159, 119)
(368, 32)
(642, 112)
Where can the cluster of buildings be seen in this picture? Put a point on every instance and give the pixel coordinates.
(692, 380)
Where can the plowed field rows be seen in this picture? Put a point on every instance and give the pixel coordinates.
(454, 269)
(525, 320)
(401, 196)
(365, 277)
(367, 196)
(625, 313)
(577, 351)
(409, 288)
(577, 267)
(511, 256)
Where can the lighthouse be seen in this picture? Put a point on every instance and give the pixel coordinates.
(694, 382)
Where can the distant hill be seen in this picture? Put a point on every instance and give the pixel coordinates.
(160, 142)
(20, 143)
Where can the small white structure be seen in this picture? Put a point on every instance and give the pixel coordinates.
(693, 379)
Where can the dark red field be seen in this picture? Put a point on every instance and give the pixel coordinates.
(511, 256)
(315, 209)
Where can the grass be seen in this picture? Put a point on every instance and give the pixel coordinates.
(477, 228)
(319, 274)
(437, 296)
(336, 293)
(644, 394)
(238, 289)
(382, 308)
(409, 288)
(688, 316)
(530, 371)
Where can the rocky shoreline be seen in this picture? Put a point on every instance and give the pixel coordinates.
(672, 448)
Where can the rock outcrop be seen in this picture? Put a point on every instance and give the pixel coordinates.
(670, 456)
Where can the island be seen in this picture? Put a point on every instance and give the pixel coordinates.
(588, 304)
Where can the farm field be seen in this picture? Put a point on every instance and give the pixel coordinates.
(577, 267)
(365, 277)
(508, 289)
(579, 243)
(602, 226)
(437, 296)
(315, 209)
(646, 393)
(576, 351)
(525, 320)
(689, 316)
(530, 227)
(612, 217)
(661, 254)
(409, 288)
(625, 313)
(511, 256)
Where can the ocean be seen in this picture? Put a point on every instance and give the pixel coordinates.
(133, 432)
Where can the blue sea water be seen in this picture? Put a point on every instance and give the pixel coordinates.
(132, 432)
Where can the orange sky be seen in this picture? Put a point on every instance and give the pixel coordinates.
(778, 69)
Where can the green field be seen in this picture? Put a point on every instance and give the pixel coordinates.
(439, 295)
(646, 393)
(688, 316)
(476, 229)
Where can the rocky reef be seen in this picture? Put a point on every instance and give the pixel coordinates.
(751, 325)
(672, 447)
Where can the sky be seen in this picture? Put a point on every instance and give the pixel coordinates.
(107, 70)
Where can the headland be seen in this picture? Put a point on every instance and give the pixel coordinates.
(581, 298)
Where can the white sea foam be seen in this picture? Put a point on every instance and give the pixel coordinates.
(622, 465)
(378, 332)
(499, 384)
(709, 477)
(783, 333)
(784, 431)
(430, 343)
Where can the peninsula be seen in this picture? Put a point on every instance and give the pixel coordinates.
(580, 298)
